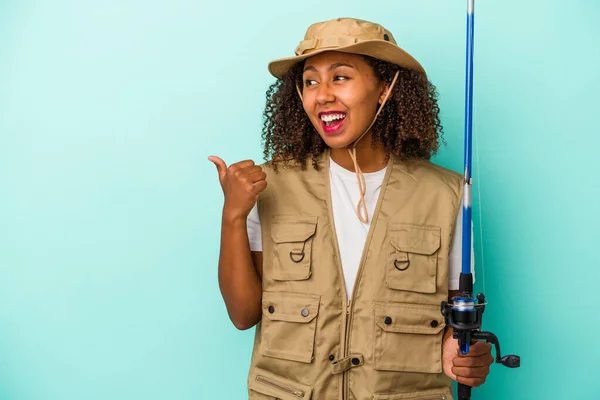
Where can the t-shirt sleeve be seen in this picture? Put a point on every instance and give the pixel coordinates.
(253, 226)
(455, 256)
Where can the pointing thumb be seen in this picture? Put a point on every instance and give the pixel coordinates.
(221, 166)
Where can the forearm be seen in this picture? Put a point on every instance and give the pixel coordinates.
(239, 281)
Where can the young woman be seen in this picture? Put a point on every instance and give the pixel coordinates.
(343, 259)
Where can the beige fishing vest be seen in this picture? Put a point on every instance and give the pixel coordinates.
(384, 344)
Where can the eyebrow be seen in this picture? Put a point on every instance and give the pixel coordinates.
(331, 67)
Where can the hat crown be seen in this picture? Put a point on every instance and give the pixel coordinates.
(341, 32)
(347, 35)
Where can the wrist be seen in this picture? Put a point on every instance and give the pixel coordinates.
(233, 217)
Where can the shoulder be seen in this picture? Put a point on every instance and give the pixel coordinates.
(281, 171)
(438, 171)
(428, 173)
(280, 179)
(290, 169)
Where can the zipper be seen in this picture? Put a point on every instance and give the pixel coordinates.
(361, 266)
(345, 301)
(284, 388)
(346, 386)
(428, 397)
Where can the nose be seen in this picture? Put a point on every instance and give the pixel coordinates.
(325, 94)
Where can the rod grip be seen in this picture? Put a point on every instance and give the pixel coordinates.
(464, 392)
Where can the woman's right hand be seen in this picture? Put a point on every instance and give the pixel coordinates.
(242, 182)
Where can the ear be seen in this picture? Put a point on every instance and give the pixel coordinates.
(384, 87)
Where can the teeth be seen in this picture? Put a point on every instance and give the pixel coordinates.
(332, 117)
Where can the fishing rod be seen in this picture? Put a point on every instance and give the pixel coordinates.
(465, 315)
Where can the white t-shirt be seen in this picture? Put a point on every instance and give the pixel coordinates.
(351, 232)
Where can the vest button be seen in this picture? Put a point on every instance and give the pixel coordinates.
(271, 309)
(387, 321)
(434, 323)
(355, 361)
(331, 357)
(305, 312)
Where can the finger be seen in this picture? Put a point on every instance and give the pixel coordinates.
(478, 349)
(472, 382)
(257, 176)
(247, 174)
(482, 361)
(221, 166)
(465, 372)
(241, 165)
(259, 186)
(249, 170)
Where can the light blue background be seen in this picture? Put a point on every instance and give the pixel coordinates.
(110, 212)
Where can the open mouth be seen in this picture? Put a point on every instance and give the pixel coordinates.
(332, 122)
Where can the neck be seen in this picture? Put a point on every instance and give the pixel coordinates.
(370, 159)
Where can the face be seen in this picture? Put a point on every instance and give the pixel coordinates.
(340, 96)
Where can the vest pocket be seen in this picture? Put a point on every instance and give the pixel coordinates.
(292, 237)
(288, 325)
(430, 394)
(412, 257)
(408, 337)
(259, 396)
(272, 386)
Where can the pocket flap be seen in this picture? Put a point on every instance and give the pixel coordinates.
(271, 384)
(420, 239)
(429, 394)
(409, 318)
(290, 307)
(287, 229)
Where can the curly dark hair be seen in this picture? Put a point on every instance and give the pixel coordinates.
(408, 127)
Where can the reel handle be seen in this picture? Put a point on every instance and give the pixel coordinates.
(510, 361)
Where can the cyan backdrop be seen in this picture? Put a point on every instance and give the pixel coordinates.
(110, 212)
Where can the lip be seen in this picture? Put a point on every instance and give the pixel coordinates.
(330, 112)
(333, 129)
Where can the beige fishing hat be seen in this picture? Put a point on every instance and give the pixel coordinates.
(347, 35)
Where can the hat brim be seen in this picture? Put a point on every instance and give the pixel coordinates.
(385, 51)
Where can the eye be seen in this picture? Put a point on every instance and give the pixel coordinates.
(340, 78)
(309, 82)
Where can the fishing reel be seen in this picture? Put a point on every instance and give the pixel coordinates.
(465, 318)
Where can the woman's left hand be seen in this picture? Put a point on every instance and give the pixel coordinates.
(471, 369)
